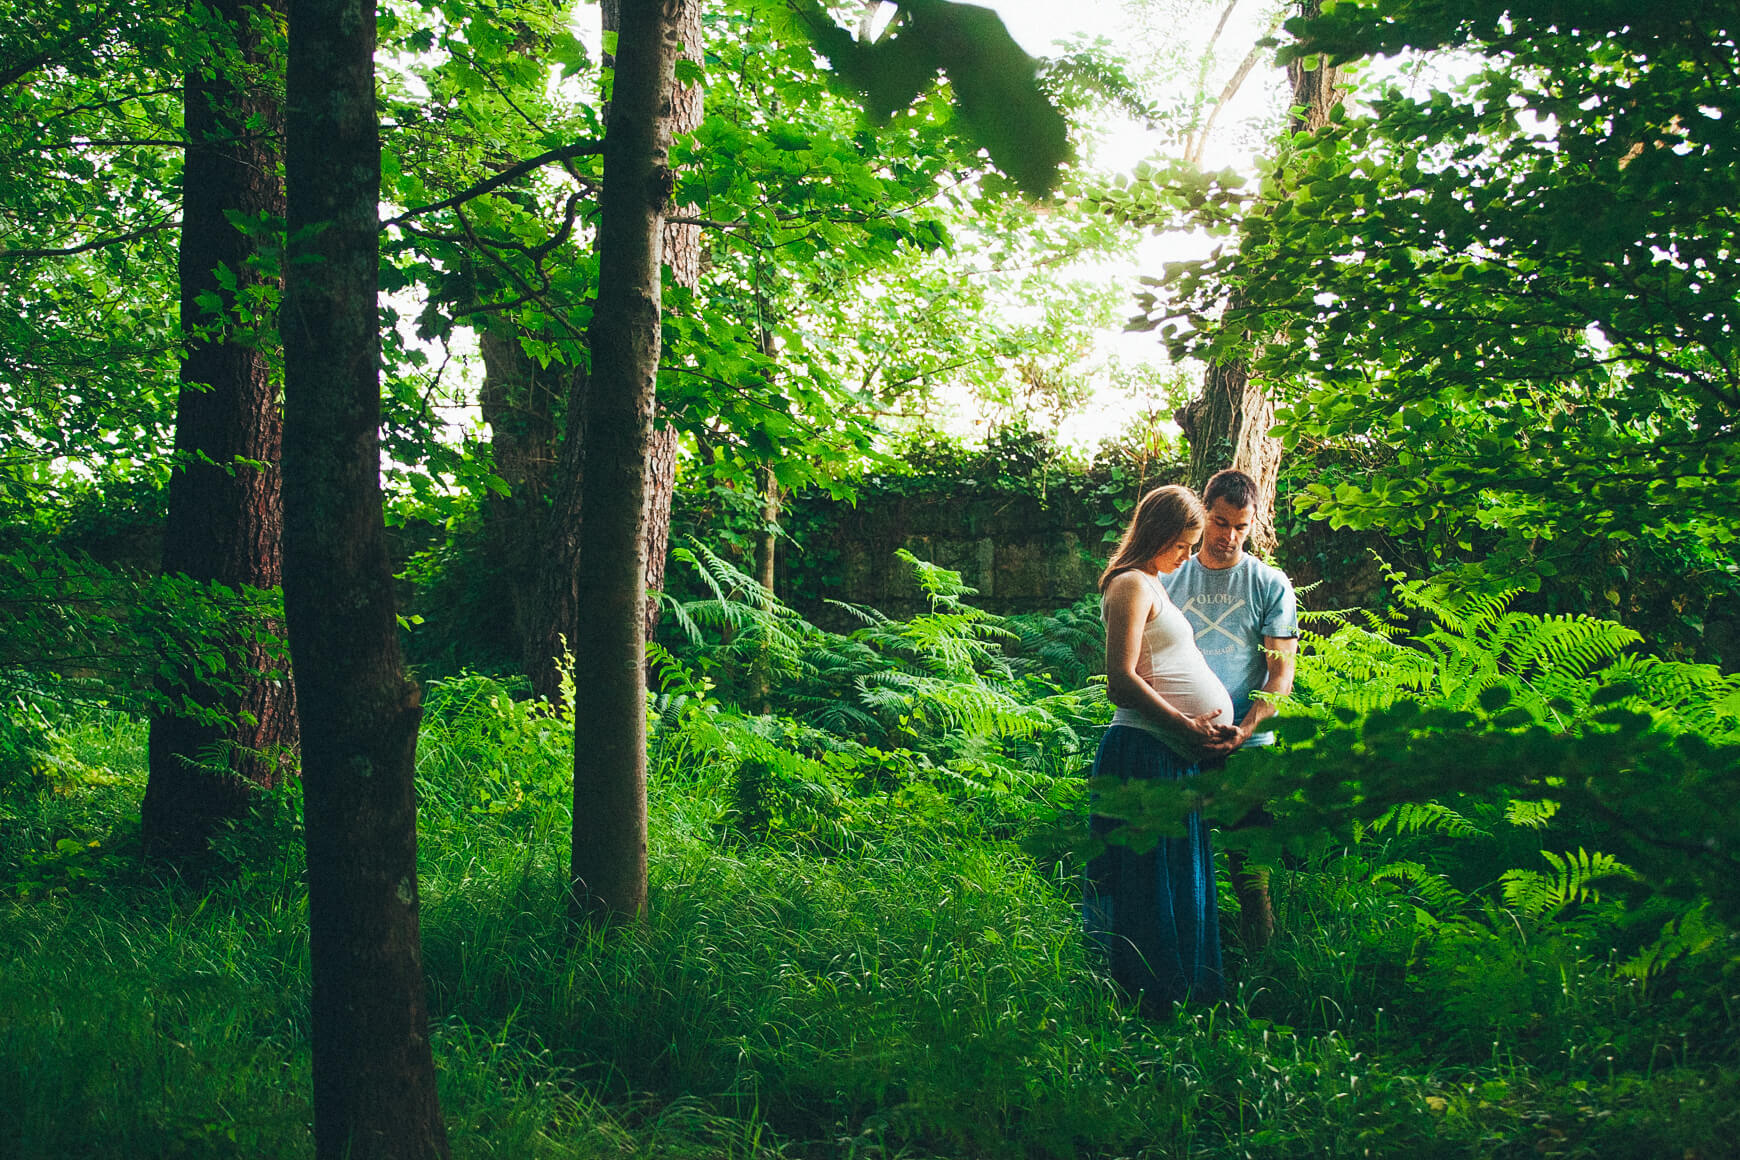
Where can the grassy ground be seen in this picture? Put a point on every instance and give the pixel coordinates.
(916, 993)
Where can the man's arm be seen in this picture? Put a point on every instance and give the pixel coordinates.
(1281, 652)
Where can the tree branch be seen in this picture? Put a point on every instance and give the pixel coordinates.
(526, 288)
(505, 177)
(18, 71)
(133, 142)
(68, 251)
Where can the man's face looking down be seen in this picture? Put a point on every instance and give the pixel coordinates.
(1223, 540)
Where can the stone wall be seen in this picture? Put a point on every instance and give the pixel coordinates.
(1022, 554)
(1028, 555)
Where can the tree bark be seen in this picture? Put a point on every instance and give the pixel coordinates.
(661, 487)
(608, 867)
(1228, 424)
(225, 520)
(518, 401)
(682, 256)
(374, 1074)
(767, 542)
(555, 608)
(766, 551)
(553, 617)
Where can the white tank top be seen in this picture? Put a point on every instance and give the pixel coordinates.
(1173, 666)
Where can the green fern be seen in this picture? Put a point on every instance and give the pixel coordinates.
(1476, 655)
(1536, 896)
(976, 709)
(1692, 933)
(1534, 815)
(1415, 817)
(1701, 696)
(943, 587)
(940, 683)
(1067, 646)
(1429, 886)
(752, 622)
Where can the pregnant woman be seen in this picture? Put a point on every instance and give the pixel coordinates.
(1155, 912)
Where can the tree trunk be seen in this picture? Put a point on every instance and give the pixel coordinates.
(1228, 424)
(768, 541)
(608, 869)
(661, 487)
(374, 1075)
(554, 608)
(1228, 427)
(553, 616)
(225, 521)
(766, 546)
(682, 255)
(518, 401)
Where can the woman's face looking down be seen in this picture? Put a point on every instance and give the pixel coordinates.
(1172, 555)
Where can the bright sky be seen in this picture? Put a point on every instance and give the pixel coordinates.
(1039, 26)
(1171, 36)
(1180, 29)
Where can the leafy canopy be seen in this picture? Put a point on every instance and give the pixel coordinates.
(1518, 284)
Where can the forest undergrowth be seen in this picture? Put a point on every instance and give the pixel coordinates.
(863, 938)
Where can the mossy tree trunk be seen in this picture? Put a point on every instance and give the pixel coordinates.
(374, 1074)
(226, 520)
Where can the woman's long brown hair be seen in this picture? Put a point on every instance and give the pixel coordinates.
(1161, 517)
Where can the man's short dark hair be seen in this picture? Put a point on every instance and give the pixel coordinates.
(1237, 488)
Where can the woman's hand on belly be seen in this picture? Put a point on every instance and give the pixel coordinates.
(1206, 738)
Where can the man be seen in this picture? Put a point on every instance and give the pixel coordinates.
(1247, 625)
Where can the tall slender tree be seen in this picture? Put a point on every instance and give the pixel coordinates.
(554, 611)
(1228, 425)
(374, 1074)
(225, 520)
(608, 870)
(1007, 113)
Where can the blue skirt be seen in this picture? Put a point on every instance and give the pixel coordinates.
(1155, 913)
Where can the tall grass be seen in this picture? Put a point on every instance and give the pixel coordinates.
(778, 1001)
(847, 954)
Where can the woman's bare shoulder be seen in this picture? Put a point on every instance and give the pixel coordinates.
(1127, 588)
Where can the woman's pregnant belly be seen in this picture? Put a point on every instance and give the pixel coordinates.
(1193, 691)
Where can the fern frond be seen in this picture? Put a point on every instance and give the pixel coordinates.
(1361, 670)
(839, 716)
(1432, 888)
(942, 586)
(1536, 895)
(673, 675)
(1465, 612)
(1415, 817)
(862, 612)
(1700, 696)
(1534, 815)
(976, 710)
(1689, 934)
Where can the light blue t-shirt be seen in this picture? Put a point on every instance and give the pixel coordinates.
(1232, 610)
